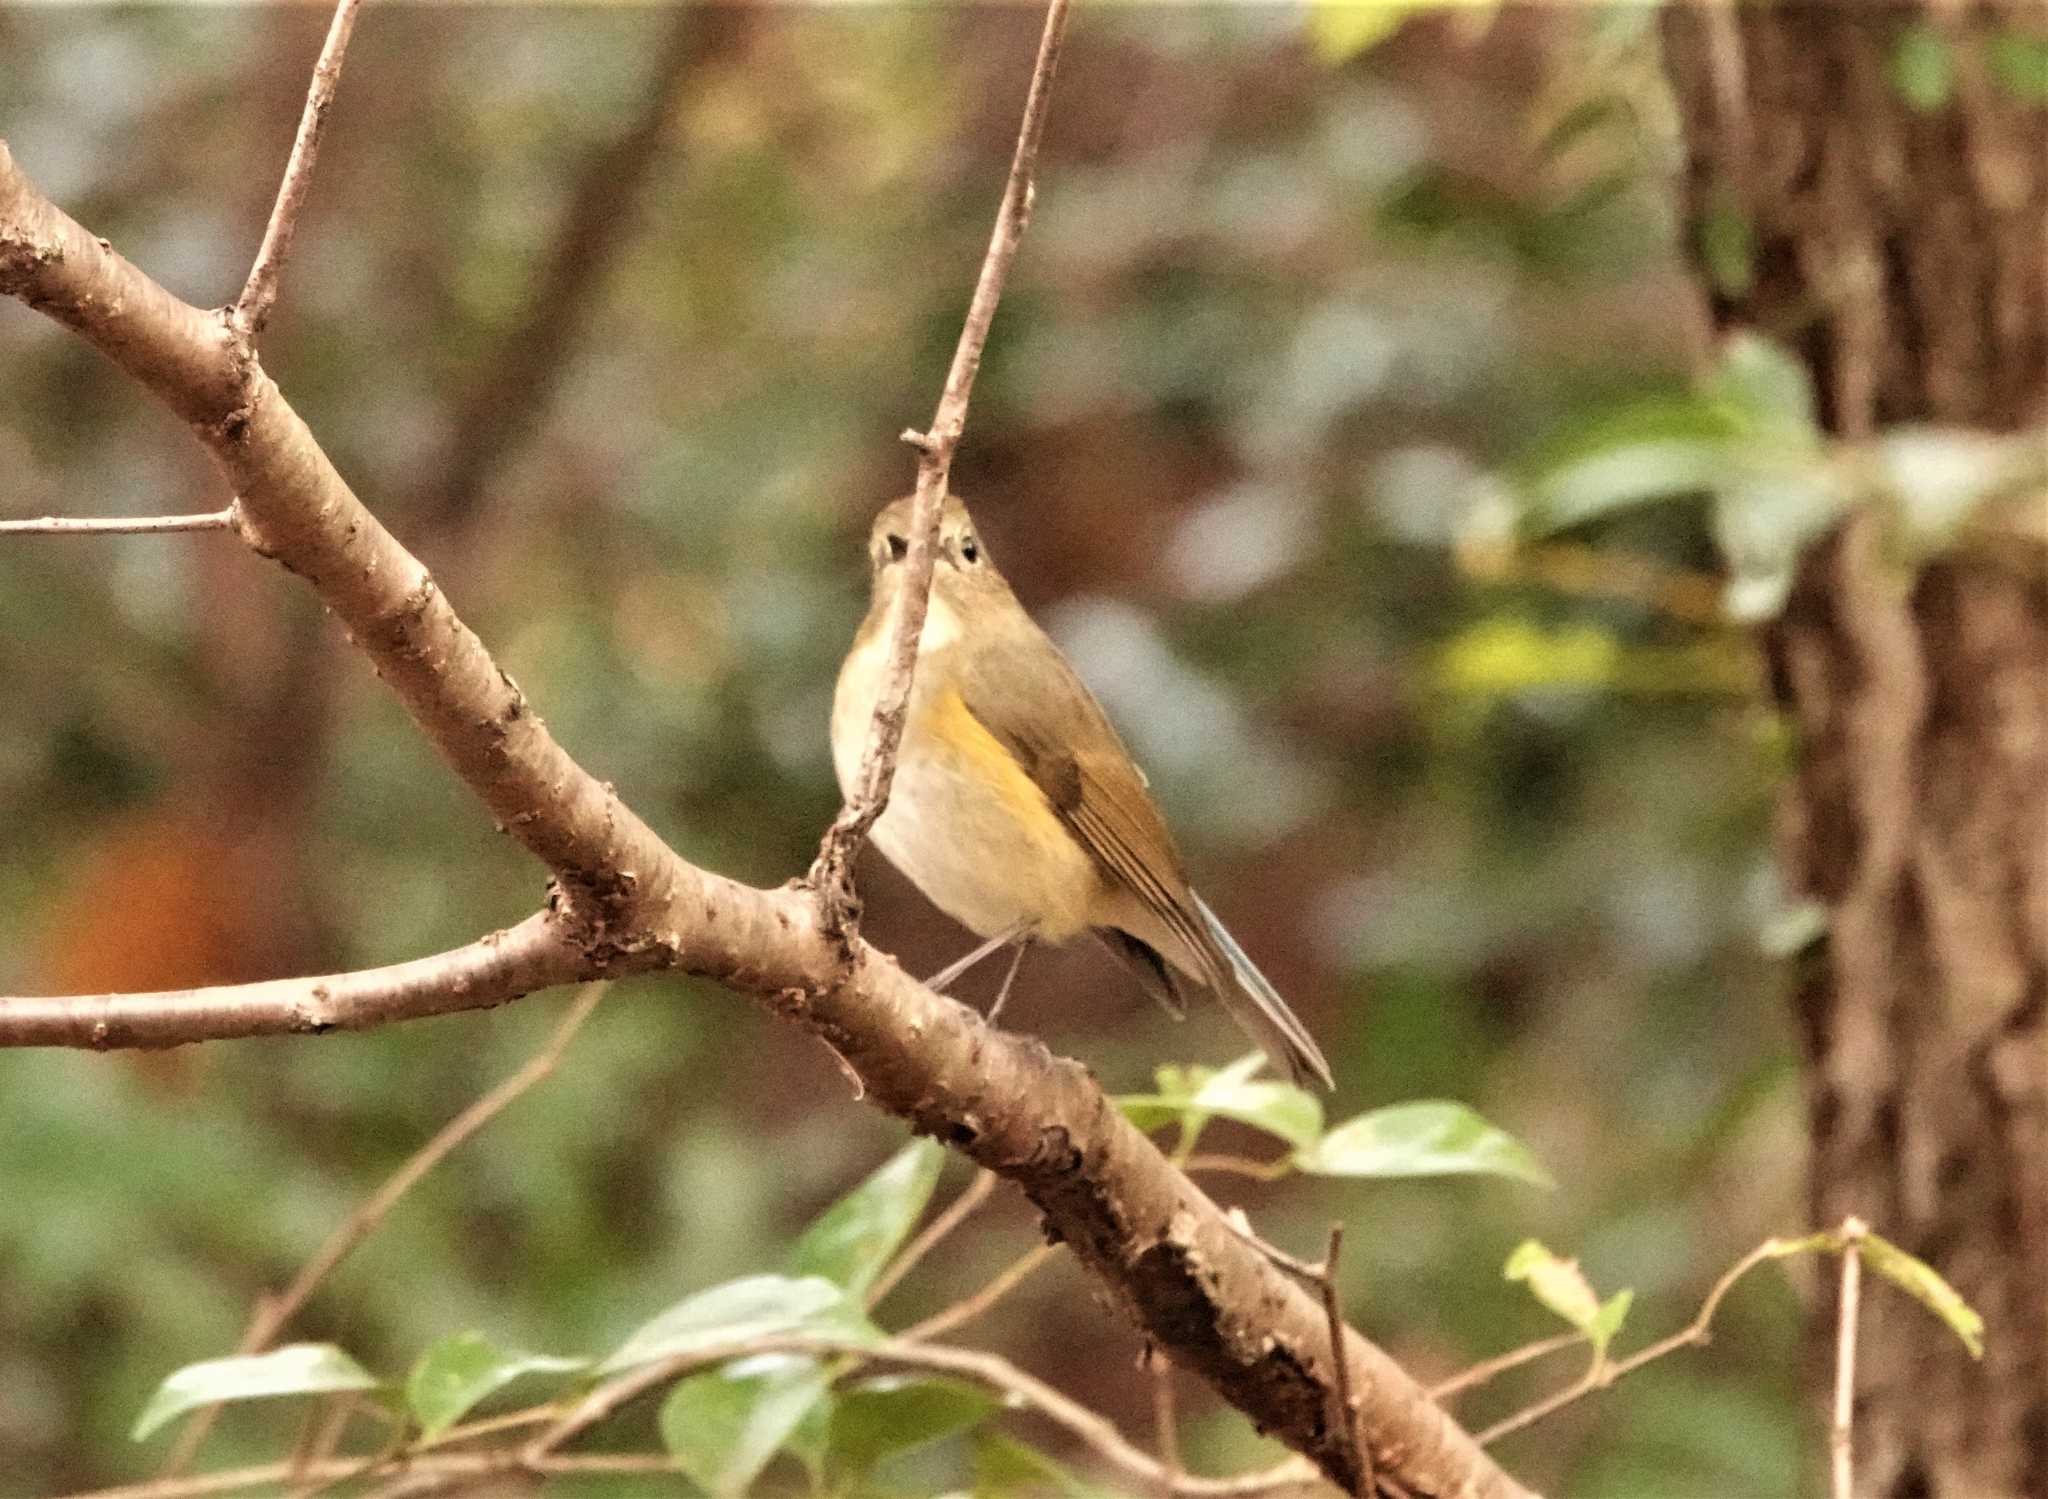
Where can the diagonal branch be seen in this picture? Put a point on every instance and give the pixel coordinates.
(252, 309)
(832, 874)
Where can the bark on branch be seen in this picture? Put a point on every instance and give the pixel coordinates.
(627, 902)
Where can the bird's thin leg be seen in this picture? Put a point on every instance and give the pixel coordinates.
(1009, 978)
(953, 970)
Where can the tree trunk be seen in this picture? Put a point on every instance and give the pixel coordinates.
(1901, 247)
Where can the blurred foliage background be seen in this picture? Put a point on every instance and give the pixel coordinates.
(1497, 826)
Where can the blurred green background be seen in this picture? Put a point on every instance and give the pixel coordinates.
(1499, 829)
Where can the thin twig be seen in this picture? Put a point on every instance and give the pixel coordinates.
(274, 1312)
(957, 1212)
(1603, 1373)
(252, 309)
(1345, 1410)
(1239, 1165)
(1488, 1369)
(1841, 1465)
(1165, 1419)
(960, 1313)
(831, 874)
(118, 525)
(986, 1369)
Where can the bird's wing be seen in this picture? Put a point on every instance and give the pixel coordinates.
(1018, 693)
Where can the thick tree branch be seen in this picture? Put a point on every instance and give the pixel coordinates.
(1167, 1254)
(832, 874)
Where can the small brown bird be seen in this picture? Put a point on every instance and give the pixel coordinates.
(1016, 808)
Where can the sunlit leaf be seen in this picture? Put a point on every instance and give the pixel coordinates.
(1763, 526)
(725, 1425)
(296, 1369)
(1925, 1285)
(1506, 655)
(1195, 1095)
(758, 1306)
(1558, 1283)
(462, 1369)
(1767, 387)
(852, 1240)
(1430, 1137)
(894, 1413)
(1613, 1312)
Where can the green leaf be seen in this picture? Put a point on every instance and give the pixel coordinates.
(894, 1413)
(1924, 1284)
(724, 1425)
(758, 1306)
(1506, 655)
(1633, 452)
(1763, 526)
(1557, 1283)
(1431, 1137)
(2020, 64)
(1923, 67)
(296, 1369)
(464, 1368)
(852, 1240)
(1195, 1095)
(1613, 1312)
(1767, 389)
(1005, 1468)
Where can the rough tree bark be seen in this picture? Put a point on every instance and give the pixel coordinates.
(1903, 252)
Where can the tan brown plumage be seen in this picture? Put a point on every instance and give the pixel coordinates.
(1016, 805)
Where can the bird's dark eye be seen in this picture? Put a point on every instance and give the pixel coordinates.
(970, 549)
(898, 548)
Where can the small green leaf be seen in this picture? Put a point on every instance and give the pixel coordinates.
(2020, 64)
(1195, 1095)
(724, 1425)
(1005, 1468)
(1431, 1137)
(852, 1240)
(758, 1306)
(894, 1413)
(1613, 1312)
(1501, 655)
(1767, 389)
(462, 1369)
(1924, 1284)
(1923, 67)
(1557, 1283)
(1763, 526)
(1633, 452)
(296, 1369)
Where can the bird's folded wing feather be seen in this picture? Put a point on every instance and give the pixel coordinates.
(1022, 697)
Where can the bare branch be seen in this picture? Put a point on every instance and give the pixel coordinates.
(118, 525)
(1488, 1369)
(957, 1212)
(274, 1313)
(536, 954)
(252, 309)
(986, 1369)
(832, 874)
(960, 1313)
